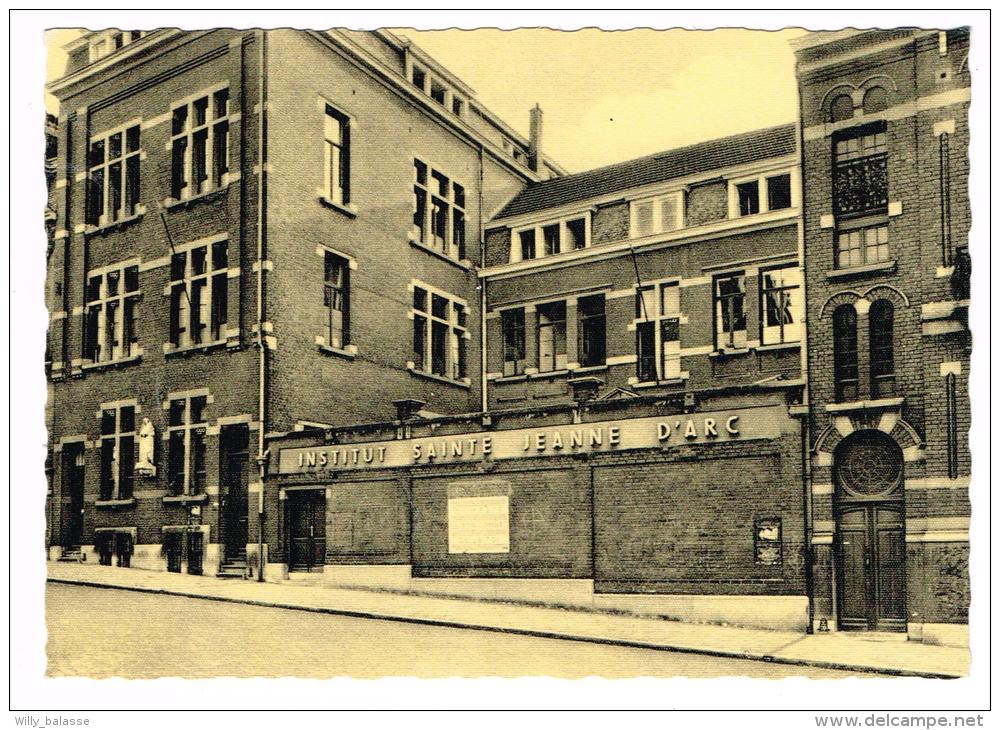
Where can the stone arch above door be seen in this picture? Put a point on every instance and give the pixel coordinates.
(887, 420)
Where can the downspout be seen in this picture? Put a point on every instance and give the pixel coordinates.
(260, 343)
(481, 285)
(804, 425)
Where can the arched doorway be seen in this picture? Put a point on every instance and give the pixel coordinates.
(871, 546)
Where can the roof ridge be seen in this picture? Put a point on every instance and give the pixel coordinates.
(670, 151)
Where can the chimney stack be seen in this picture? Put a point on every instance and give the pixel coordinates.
(535, 141)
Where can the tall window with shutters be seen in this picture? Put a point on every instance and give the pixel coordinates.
(200, 145)
(117, 452)
(591, 330)
(512, 324)
(112, 301)
(781, 305)
(199, 293)
(551, 336)
(657, 332)
(113, 176)
(730, 311)
(186, 428)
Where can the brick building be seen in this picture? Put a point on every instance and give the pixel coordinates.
(255, 232)
(642, 448)
(886, 219)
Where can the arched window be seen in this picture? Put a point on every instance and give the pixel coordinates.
(880, 356)
(845, 352)
(876, 100)
(842, 107)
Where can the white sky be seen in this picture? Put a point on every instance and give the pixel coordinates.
(611, 95)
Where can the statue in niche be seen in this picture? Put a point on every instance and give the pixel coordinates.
(144, 466)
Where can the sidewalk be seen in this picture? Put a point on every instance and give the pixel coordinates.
(834, 651)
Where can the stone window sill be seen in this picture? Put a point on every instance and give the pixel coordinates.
(659, 383)
(882, 267)
(550, 374)
(208, 196)
(108, 364)
(463, 383)
(172, 351)
(591, 368)
(729, 352)
(463, 264)
(511, 378)
(185, 499)
(348, 352)
(863, 404)
(115, 503)
(344, 209)
(779, 346)
(103, 228)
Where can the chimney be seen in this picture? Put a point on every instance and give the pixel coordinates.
(535, 142)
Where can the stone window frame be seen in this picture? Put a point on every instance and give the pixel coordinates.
(116, 476)
(656, 224)
(98, 214)
(539, 230)
(97, 307)
(456, 350)
(216, 169)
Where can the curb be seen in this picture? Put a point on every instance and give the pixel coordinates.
(351, 613)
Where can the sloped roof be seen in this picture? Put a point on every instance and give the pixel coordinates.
(715, 154)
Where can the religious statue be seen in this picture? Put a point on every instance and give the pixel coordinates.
(147, 438)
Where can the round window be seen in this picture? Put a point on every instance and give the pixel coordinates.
(869, 464)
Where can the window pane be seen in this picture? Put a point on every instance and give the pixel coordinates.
(179, 123)
(749, 198)
(527, 244)
(115, 146)
(779, 192)
(221, 103)
(131, 278)
(645, 346)
(419, 299)
(200, 111)
(419, 342)
(669, 214)
(670, 299)
(198, 409)
(643, 218)
(576, 230)
(439, 306)
(175, 415)
(551, 237)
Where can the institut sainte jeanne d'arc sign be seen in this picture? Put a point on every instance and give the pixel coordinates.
(313, 307)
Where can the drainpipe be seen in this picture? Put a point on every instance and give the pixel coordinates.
(805, 424)
(481, 285)
(260, 343)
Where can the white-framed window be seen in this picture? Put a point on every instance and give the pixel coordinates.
(657, 332)
(117, 451)
(199, 144)
(437, 89)
(336, 155)
(551, 336)
(761, 194)
(112, 299)
(106, 43)
(113, 161)
(186, 429)
(570, 233)
(440, 332)
(730, 293)
(861, 246)
(781, 304)
(479, 524)
(199, 294)
(438, 211)
(657, 215)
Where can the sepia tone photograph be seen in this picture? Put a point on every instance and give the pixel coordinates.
(395, 352)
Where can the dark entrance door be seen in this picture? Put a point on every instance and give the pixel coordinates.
(306, 520)
(871, 552)
(73, 478)
(234, 477)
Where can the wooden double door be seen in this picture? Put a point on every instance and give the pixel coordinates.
(871, 561)
(305, 519)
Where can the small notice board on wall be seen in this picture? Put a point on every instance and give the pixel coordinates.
(479, 518)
